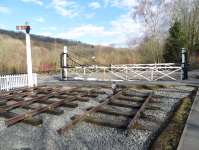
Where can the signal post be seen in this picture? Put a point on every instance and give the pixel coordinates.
(28, 52)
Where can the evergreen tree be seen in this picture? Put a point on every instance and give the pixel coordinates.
(174, 43)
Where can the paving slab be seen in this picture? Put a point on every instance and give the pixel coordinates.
(190, 135)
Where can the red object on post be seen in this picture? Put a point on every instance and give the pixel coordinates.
(21, 27)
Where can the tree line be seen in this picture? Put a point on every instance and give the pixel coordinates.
(168, 26)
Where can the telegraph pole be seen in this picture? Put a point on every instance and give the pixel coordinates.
(93, 54)
(28, 52)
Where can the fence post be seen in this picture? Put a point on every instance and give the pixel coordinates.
(104, 74)
(84, 73)
(7, 77)
(126, 73)
(152, 74)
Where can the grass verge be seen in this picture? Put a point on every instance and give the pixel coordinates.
(169, 137)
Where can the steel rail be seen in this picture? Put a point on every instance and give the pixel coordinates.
(16, 95)
(23, 89)
(29, 115)
(82, 117)
(3, 108)
(133, 122)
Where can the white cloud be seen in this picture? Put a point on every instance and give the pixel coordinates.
(5, 10)
(94, 5)
(59, 7)
(3, 26)
(90, 15)
(81, 31)
(35, 1)
(126, 4)
(44, 28)
(40, 19)
(106, 3)
(62, 3)
(114, 3)
(121, 29)
(53, 28)
(45, 34)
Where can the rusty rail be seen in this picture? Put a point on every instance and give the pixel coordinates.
(3, 108)
(29, 115)
(17, 95)
(133, 122)
(82, 117)
(23, 89)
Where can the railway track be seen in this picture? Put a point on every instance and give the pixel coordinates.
(28, 117)
(64, 99)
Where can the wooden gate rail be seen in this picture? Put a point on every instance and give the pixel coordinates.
(133, 122)
(29, 115)
(17, 95)
(23, 89)
(25, 102)
(82, 117)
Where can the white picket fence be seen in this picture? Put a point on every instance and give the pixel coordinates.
(9, 82)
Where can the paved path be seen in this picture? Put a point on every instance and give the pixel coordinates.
(190, 137)
(54, 80)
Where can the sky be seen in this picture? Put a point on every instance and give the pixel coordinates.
(93, 22)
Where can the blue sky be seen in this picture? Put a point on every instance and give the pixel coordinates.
(93, 21)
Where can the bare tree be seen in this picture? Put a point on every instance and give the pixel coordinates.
(152, 13)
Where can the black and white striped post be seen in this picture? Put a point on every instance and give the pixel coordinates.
(63, 64)
(184, 66)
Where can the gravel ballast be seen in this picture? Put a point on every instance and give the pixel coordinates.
(86, 136)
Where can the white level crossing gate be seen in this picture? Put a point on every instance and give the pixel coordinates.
(126, 72)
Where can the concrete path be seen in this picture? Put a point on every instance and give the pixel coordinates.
(54, 80)
(190, 137)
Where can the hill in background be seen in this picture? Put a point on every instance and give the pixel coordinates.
(46, 53)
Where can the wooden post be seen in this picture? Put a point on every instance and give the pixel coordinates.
(29, 60)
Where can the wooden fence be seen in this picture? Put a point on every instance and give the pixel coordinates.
(8, 82)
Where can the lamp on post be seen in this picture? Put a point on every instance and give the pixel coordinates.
(93, 54)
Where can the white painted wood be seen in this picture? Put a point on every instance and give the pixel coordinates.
(29, 60)
(8, 82)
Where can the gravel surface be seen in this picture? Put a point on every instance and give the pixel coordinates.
(86, 136)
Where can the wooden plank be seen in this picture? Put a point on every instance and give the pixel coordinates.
(2, 108)
(48, 107)
(82, 117)
(33, 121)
(139, 100)
(23, 89)
(99, 92)
(3, 103)
(141, 95)
(133, 122)
(53, 112)
(103, 122)
(135, 106)
(121, 113)
(92, 95)
(48, 102)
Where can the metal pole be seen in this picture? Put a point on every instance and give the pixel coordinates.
(183, 61)
(65, 62)
(29, 60)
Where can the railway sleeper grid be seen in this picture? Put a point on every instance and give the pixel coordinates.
(29, 119)
(118, 124)
(25, 104)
